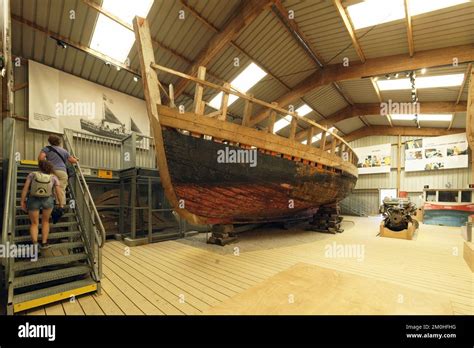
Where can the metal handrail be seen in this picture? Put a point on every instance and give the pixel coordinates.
(9, 198)
(85, 191)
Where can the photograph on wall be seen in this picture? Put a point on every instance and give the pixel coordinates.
(444, 152)
(374, 159)
(58, 100)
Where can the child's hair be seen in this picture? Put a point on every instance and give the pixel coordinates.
(54, 140)
(46, 167)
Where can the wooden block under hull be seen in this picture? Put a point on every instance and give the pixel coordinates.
(403, 234)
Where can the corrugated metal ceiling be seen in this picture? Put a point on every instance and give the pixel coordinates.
(266, 40)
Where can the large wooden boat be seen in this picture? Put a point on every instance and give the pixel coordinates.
(197, 154)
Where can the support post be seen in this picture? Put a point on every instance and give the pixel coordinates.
(323, 140)
(271, 121)
(133, 202)
(294, 123)
(171, 95)
(150, 212)
(309, 136)
(470, 120)
(247, 111)
(224, 102)
(198, 92)
(399, 159)
(333, 145)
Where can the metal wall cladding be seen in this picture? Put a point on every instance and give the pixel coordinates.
(20, 106)
(324, 28)
(447, 27)
(409, 181)
(363, 201)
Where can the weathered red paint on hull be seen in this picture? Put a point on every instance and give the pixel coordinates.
(275, 189)
(241, 203)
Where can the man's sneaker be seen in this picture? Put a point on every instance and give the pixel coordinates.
(45, 249)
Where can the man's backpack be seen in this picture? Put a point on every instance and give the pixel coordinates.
(41, 185)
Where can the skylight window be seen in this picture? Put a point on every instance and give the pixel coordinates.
(422, 6)
(423, 117)
(111, 38)
(243, 82)
(373, 12)
(285, 121)
(422, 82)
(316, 137)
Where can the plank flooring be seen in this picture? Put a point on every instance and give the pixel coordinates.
(178, 278)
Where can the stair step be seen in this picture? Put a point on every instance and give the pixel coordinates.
(25, 216)
(48, 261)
(51, 236)
(57, 225)
(65, 245)
(44, 277)
(41, 297)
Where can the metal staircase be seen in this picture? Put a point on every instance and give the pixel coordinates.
(72, 264)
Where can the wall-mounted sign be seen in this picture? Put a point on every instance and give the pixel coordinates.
(374, 159)
(58, 100)
(445, 152)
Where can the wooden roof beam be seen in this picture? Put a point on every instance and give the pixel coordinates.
(402, 131)
(250, 10)
(411, 44)
(375, 67)
(358, 110)
(350, 29)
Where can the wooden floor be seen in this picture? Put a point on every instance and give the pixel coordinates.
(177, 278)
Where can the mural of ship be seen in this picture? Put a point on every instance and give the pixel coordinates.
(110, 126)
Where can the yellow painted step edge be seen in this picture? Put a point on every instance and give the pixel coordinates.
(22, 306)
(31, 162)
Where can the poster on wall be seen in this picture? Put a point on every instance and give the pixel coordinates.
(58, 100)
(445, 152)
(374, 159)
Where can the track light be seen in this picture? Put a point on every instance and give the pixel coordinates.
(118, 68)
(107, 64)
(423, 71)
(61, 43)
(135, 78)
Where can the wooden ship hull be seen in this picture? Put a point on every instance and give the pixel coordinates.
(289, 180)
(275, 189)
